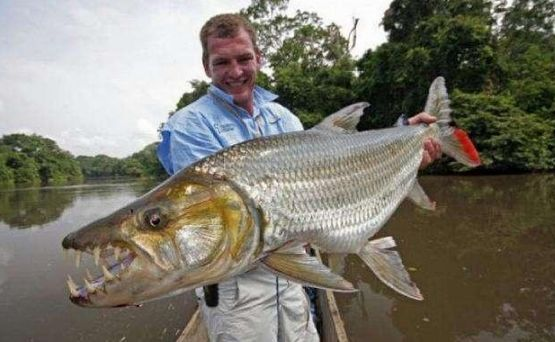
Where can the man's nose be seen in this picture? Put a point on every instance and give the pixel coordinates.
(236, 69)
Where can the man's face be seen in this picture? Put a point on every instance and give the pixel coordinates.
(232, 65)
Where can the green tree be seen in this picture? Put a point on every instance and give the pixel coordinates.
(6, 173)
(273, 25)
(499, 62)
(453, 39)
(527, 55)
(129, 167)
(147, 161)
(25, 169)
(98, 166)
(32, 154)
(509, 138)
(310, 66)
(140, 164)
(199, 89)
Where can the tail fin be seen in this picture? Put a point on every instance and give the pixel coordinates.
(454, 141)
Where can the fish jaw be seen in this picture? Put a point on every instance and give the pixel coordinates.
(188, 232)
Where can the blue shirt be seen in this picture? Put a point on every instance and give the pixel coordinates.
(214, 122)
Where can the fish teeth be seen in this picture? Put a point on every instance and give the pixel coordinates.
(77, 258)
(90, 288)
(96, 255)
(66, 254)
(107, 275)
(117, 253)
(72, 287)
(89, 275)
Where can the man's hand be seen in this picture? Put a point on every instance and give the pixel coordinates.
(432, 150)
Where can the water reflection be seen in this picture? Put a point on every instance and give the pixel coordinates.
(485, 262)
(35, 207)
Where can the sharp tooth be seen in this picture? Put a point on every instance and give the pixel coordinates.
(71, 282)
(72, 287)
(96, 255)
(77, 258)
(89, 275)
(65, 251)
(90, 288)
(107, 275)
(121, 267)
(117, 252)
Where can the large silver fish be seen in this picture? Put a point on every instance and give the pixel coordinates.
(252, 203)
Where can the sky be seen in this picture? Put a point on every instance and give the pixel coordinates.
(98, 77)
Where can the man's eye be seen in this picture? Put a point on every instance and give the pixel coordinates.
(245, 60)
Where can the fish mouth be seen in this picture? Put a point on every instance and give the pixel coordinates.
(113, 264)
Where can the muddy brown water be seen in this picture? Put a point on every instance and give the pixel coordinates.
(484, 261)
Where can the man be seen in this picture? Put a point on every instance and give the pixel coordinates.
(257, 305)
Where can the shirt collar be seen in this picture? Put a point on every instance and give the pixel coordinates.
(261, 97)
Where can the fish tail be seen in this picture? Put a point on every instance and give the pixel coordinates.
(454, 141)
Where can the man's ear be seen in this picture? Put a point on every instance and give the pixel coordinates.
(206, 68)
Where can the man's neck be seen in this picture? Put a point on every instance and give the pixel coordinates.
(249, 107)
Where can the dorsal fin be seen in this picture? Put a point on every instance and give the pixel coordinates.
(345, 120)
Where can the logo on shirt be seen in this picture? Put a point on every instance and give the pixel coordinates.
(222, 128)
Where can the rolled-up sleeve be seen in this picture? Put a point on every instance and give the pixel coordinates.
(184, 141)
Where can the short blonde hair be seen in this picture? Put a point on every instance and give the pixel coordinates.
(225, 26)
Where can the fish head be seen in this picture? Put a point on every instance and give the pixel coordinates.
(188, 232)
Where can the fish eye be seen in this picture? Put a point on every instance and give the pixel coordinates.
(153, 218)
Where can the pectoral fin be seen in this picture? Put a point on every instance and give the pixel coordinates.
(388, 267)
(306, 269)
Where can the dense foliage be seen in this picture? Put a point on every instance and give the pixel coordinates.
(140, 164)
(34, 160)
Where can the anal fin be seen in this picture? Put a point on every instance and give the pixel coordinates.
(419, 197)
(388, 267)
(306, 269)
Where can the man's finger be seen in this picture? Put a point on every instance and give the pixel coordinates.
(437, 149)
(422, 118)
(426, 160)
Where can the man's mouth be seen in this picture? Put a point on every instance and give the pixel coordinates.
(237, 84)
(112, 262)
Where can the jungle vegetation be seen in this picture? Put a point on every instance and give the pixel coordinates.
(32, 160)
(498, 59)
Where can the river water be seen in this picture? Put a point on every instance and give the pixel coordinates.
(484, 261)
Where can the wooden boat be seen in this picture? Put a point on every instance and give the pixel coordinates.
(331, 327)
